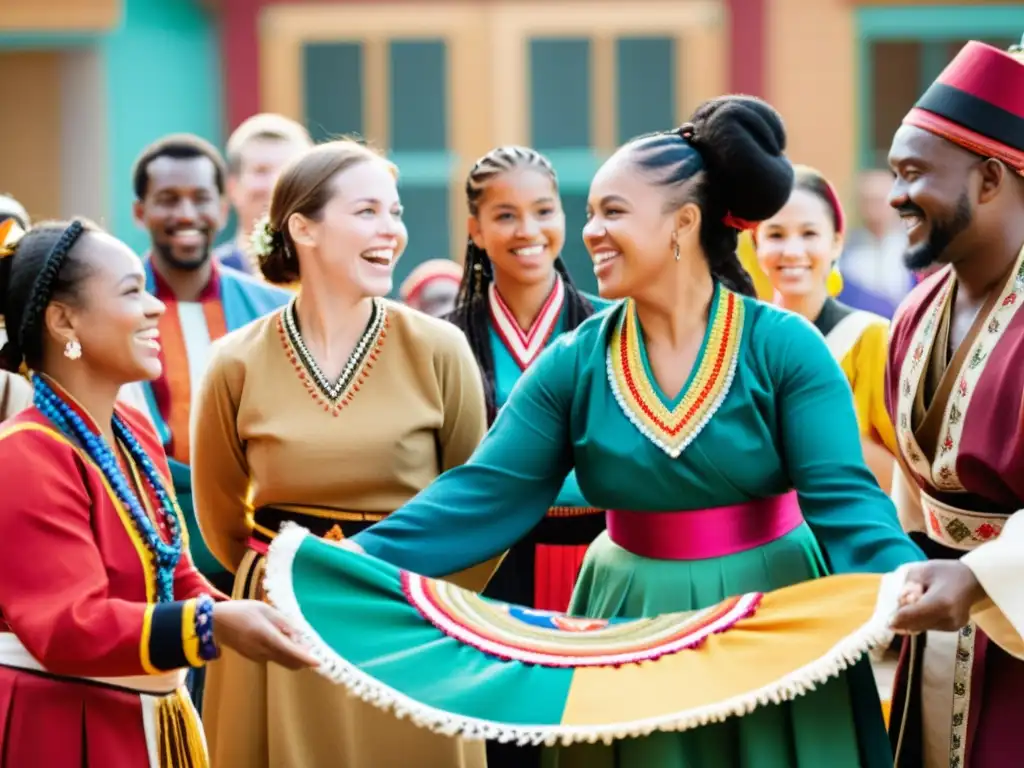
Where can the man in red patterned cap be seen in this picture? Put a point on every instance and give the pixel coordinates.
(955, 392)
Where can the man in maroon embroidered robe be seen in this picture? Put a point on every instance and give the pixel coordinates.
(955, 392)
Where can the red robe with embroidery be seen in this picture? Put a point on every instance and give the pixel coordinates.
(959, 419)
(77, 591)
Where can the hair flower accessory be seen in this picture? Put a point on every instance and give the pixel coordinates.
(263, 237)
(10, 234)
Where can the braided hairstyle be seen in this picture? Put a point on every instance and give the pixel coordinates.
(729, 160)
(40, 268)
(472, 307)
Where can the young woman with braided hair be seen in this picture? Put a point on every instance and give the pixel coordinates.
(515, 299)
(694, 414)
(101, 607)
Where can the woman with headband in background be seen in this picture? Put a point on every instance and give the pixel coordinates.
(101, 609)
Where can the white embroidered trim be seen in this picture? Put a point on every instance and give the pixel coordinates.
(278, 585)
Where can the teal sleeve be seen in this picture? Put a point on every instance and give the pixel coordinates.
(854, 521)
(478, 510)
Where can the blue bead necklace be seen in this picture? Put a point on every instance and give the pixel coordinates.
(165, 555)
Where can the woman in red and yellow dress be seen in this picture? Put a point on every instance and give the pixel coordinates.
(798, 249)
(102, 610)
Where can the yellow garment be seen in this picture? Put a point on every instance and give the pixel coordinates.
(264, 433)
(748, 258)
(864, 366)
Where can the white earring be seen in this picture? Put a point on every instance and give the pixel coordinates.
(73, 350)
(677, 250)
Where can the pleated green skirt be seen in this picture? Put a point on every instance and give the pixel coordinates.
(839, 725)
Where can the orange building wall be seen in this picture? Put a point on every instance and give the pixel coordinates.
(59, 15)
(31, 158)
(812, 81)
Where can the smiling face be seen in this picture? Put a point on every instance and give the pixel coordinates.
(797, 247)
(520, 224)
(182, 210)
(115, 319)
(932, 194)
(629, 232)
(359, 234)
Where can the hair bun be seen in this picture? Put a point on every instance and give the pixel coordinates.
(743, 142)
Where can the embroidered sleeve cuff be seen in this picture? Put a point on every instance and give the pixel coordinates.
(170, 640)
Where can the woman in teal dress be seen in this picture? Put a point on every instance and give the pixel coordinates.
(698, 417)
(515, 299)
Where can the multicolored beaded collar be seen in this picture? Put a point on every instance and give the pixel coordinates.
(672, 427)
(165, 554)
(333, 396)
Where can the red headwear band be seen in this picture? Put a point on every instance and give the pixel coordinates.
(977, 103)
(429, 272)
(737, 223)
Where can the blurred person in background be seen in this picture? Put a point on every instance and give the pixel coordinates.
(179, 184)
(874, 276)
(257, 151)
(15, 390)
(432, 287)
(331, 413)
(798, 248)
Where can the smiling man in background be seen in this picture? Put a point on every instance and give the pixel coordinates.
(179, 186)
(257, 152)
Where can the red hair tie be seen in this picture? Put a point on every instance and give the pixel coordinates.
(737, 223)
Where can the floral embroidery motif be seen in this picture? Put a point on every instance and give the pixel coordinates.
(958, 528)
(942, 472)
(673, 430)
(961, 695)
(333, 396)
(911, 373)
(525, 346)
(944, 469)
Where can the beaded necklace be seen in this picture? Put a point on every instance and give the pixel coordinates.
(165, 556)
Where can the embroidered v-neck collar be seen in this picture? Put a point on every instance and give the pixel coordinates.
(334, 396)
(673, 428)
(525, 346)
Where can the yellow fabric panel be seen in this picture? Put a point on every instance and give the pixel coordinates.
(791, 629)
(748, 258)
(864, 366)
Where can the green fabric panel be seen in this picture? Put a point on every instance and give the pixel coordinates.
(574, 252)
(205, 562)
(427, 218)
(560, 74)
(419, 98)
(507, 373)
(356, 604)
(646, 93)
(333, 83)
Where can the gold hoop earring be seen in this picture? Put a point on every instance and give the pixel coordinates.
(73, 349)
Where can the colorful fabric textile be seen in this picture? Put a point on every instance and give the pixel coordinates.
(458, 663)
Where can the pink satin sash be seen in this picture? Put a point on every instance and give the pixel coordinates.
(699, 534)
